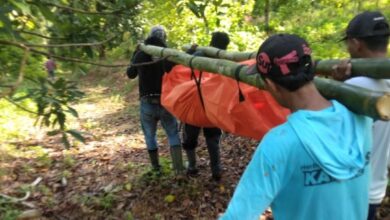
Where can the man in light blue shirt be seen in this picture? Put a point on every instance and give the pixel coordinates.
(314, 166)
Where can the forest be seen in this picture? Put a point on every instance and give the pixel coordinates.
(72, 147)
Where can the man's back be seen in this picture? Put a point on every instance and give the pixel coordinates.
(311, 167)
(381, 141)
(150, 70)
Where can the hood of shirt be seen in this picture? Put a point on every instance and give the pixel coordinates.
(333, 138)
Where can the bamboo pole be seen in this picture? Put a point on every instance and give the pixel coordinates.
(223, 54)
(377, 68)
(358, 100)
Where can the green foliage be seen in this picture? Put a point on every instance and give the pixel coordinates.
(21, 123)
(103, 200)
(53, 99)
(42, 22)
(320, 22)
(8, 211)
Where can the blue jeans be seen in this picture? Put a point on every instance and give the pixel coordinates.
(150, 115)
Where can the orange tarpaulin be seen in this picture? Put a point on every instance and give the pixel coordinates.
(251, 117)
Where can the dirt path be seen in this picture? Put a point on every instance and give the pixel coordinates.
(107, 178)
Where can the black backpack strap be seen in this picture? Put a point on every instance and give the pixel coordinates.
(237, 76)
(197, 81)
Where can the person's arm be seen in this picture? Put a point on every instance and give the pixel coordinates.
(256, 190)
(192, 49)
(132, 71)
(168, 65)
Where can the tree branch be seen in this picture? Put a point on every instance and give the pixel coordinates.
(21, 71)
(71, 45)
(20, 45)
(82, 11)
(19, 106)
(40, 35)
(12, 87)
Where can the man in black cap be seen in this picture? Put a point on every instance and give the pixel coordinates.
(314, 166)
(367, 36)
(151, 111)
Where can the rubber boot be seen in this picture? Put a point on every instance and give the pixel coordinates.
(191, 156)
(177, 160)
(215, 163)
(153, 155)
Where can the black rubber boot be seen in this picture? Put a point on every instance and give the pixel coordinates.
(191, 156)
(213, 137)
(153, 155)
(177, 159)
(215, 164)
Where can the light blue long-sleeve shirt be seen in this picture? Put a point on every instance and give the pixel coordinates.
(313, 167)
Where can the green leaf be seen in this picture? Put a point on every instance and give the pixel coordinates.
(22, 97)
(76, 134)
(46, 12)
(194, 8)
(169, 198)
(89, 51)
(61, 119)
(73, 112)
(54, 132)
(22, 6)
(128, 186)
(65, 140)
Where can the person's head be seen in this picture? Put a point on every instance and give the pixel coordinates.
(284, 62)
(367, 35)
(158, 32)
(220, 40)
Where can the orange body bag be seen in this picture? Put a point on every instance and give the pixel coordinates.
(251, 116)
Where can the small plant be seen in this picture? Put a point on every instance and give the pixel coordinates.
(106, 201)
(7, 210)
(129, 216)
(44, 160)
(53, 99)
(69, 161)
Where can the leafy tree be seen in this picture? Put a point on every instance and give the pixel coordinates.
(69, 30)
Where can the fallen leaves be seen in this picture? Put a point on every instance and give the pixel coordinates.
(105, 177)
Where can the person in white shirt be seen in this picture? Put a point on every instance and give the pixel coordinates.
(367, 36)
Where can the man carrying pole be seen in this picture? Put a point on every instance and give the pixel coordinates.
(150, 72)
(367, 36)
(314, 166)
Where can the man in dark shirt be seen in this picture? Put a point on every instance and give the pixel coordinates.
(150, 80)
(219, 40)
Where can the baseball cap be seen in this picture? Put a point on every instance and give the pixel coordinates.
(367, 24)
(282, 55)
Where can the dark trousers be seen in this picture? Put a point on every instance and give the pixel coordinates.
(191, 134)
(212, 135)
(372, 211)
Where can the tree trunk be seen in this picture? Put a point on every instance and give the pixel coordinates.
(358, 100)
